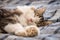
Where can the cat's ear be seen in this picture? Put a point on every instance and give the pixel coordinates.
(40, 11)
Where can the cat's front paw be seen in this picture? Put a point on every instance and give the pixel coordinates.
(29, 31)
(32, 31)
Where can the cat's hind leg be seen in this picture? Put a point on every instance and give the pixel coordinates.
(16, 29)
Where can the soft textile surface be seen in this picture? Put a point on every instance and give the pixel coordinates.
(50, 32)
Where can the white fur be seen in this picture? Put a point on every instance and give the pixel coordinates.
(28, 14)
(27, 27)
(11, 28)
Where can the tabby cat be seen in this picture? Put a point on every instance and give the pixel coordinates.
(22, 21)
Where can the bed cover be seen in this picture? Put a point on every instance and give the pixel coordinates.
(50, 32)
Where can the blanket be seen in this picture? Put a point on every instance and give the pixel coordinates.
(50, 32)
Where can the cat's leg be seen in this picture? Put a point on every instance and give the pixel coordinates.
(17, 29)
(32, 31)
(29, 31)
(21, 33)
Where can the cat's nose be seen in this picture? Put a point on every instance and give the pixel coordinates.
(30, 20)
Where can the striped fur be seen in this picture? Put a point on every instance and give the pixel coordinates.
(22, 21)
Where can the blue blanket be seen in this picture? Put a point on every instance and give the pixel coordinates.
(50, 32)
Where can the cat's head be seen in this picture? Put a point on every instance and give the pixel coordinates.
(30, 12)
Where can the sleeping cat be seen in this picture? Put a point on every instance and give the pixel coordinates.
(21, 21)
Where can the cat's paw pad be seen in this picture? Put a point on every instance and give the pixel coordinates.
(32, 31)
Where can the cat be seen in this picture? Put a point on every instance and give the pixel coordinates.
(21, 21)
